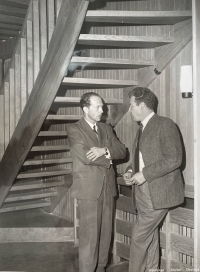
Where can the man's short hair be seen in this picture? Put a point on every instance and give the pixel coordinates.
(145, 95)
(85, 99)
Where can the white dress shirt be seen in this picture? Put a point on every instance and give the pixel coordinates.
(144, 123)
(92, 125)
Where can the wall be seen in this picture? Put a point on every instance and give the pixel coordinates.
(7, 47)
(1, 71)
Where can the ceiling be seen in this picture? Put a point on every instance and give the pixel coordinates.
(12, 14)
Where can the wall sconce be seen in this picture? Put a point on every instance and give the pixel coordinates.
(186, 81)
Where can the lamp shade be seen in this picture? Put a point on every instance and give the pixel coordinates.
(186, 81)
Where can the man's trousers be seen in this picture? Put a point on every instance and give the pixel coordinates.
(96, 217)
(144, 253)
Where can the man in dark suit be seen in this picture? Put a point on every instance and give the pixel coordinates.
(157, 183)
(94, 146)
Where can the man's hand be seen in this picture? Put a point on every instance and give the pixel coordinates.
(138, 179)
(95, 152)
(127, 177)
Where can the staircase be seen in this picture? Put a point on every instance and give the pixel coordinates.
(36, 167)
(25, 104)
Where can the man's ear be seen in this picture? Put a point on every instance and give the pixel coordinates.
(85, 109)
(143, 105)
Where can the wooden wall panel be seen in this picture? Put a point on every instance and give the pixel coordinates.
(66, 207)
(43, 29)
(17, 72)
(6, 65)
(126, 131)
(6, 114)
(50, 18)
(57, 6)
(1, 113)
(29, 45)
(36, 40)
(23, 78)
(12, 102)
(1, 125)
(7, 47)
(1, 71)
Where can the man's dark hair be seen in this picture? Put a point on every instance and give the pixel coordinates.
(85, 99)
(145, 95)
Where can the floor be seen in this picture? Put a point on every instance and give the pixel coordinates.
(32, 218)
(39, 257)
(43, 257)
(36, 256)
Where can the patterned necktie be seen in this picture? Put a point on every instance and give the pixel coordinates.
(137, 159)
(96, 133)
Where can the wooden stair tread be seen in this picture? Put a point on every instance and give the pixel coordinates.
(52, 133)
(36, 185)
(15, 19)
(19, 3)
(123, 41)
(63, 117)
(47, 161)
(30, 195)
(110, 63)
(50, 148)
(44, 174)
(24, 205)
(10, 26)
(97, 83)
(138, 17)
(76, 100)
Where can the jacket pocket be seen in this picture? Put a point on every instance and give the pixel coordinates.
(80, 174)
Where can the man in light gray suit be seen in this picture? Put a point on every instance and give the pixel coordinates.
(157, 183)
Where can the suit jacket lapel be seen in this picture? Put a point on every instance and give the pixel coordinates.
(101, 132)
(148, 127)
(86, 127)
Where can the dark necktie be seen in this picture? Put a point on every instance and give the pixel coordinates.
(96, 133)
(137, 159)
